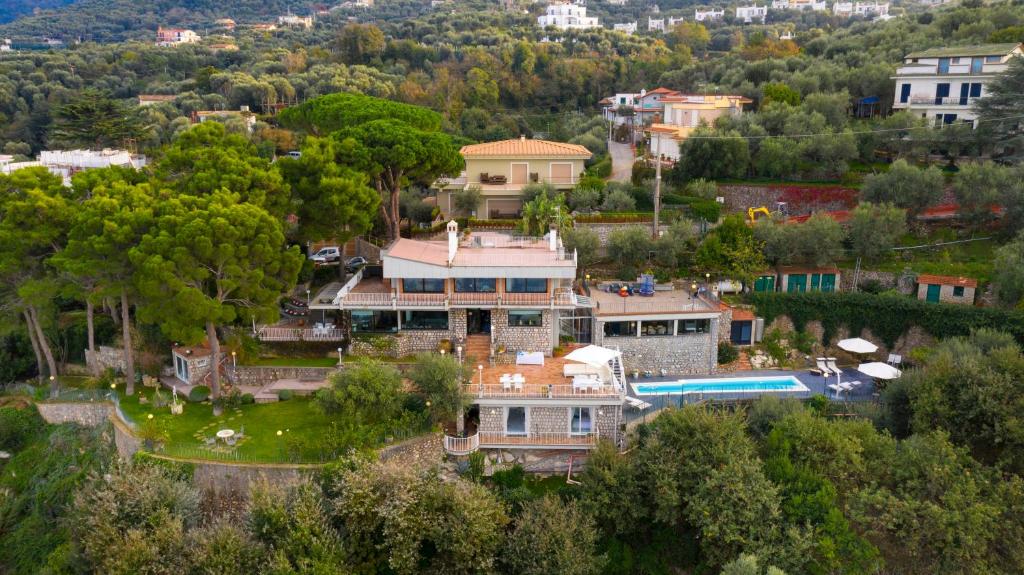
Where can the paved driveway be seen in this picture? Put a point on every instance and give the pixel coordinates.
(622, 161)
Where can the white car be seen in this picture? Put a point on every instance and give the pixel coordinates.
(326, 255)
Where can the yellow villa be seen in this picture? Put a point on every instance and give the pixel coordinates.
(501, 169)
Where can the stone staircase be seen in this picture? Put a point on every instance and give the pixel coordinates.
(478, 347)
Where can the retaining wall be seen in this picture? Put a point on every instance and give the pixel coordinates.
(85, 413)
(263, 375)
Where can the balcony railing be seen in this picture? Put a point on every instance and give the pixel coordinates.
(391, 300)
(541, 391)
(300, 334)
(944, 101)
(461, 445)
(538, 439)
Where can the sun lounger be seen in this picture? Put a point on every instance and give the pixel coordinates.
(831, 363)
(825, 370)
(637, 403)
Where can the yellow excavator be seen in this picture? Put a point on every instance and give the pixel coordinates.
(752, 213)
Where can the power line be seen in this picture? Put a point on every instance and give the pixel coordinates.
(882, 131)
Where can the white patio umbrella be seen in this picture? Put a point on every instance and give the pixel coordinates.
(857, 345)
(879, 370)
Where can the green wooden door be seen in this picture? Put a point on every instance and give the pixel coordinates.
(828, 282)
(815, 282)
(933, 293)
(797, 283)
(764, 283)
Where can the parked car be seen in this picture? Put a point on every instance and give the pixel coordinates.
(326, 255)
(354, 264)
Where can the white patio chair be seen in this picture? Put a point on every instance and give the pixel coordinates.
(823, 367)
(506, 382)
(831, 363)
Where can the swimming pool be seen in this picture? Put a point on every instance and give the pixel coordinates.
(768, 384)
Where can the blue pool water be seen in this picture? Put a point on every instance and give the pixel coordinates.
(723, 385)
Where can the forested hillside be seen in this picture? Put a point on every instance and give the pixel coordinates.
(16, 8)
(114, 20)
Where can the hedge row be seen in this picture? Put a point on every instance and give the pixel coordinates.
(888, 316)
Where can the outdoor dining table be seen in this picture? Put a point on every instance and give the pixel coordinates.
(225, 434)
(585, 382)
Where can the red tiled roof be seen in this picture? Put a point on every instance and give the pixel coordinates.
(929, 279)
(661, 90)
(742, 315)
(434, 253)
(522, 147)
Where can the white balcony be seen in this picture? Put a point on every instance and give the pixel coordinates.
(538, 439)
(300, 334)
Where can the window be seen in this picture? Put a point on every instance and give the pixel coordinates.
(954, 61)
(941, 93)
(977, 65)
(904, 93)
(379, 321)
(694, 326)
(976, 90)
(422, 285)
(620, 329)
(515, 421)
(477, 285)
(660, 327)
(992, 59)
(425, 320)
(181, 368)
(582, 421)
(526, 285)
(943, 65)
(525, 318)
(958, 291)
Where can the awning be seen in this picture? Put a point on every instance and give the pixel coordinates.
(594, 355)
(879, 370)
(857, 345)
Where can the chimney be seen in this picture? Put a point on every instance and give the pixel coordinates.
(453, 240)
(553, 239)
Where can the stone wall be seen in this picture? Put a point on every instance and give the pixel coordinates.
(517, 338)
(693, 354)
(491, 419)
(607, 418)
(903, 281)
(263, 375)
(422, 451)
(106, 357)
(90, 414)
(604, 230)
(725, 327)
(913, 338)
(548, 419)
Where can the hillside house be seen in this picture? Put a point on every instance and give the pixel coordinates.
(175, 36)
(946, 289)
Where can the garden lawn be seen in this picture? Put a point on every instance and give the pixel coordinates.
(187, 432)
(971, 259)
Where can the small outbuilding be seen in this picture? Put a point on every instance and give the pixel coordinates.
(946, 289)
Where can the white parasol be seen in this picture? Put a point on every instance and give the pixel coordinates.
(879, 370)
(857, 345)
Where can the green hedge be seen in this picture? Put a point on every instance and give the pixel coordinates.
(888, 316)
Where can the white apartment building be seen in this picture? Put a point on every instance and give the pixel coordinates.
(175, 36)
(708, 14)
(293, 20)
(655, 25)
(618, 2)
(628, 28)
(942, 84)
(749, 14)
(800, 5)
(66, 163)
(847, 9)
(673, 21)
(567, 17)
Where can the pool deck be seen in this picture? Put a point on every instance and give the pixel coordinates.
(815, 385)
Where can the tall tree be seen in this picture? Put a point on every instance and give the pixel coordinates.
(36, 212)
(206, 262)
(905, 186)
(206, 159)
(395, 154)
(331, 201)
(1001, 111)
(94, 120)
(106, 227)
(875, 229)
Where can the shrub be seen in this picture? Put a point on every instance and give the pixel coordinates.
(727, 353)
(199, 394)
(509, 478)
(285, 394)
(16, 427)
(618, 201)
(248, 399)
(159, 399)
(475, 471)
(584, 199)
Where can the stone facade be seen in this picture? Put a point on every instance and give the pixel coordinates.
(725, 327)
(516, 338)
(903, 281)
(90, 414)
(608, 418)
(554, 419)
(947, 295)
(106, 358)
(690, 354)
(259, 376)
(422, 451)
(912, 338)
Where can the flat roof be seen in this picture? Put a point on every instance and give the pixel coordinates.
(483, 249)
(979, 50)
(676, 301)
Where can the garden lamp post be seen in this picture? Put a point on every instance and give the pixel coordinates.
(480, 369)
(339, 357)
(307, 298)
(458, 351)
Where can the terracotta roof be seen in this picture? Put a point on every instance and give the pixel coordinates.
(960, 281)
(661, 90)
(705, 99)
(522, 147)
(742, 315)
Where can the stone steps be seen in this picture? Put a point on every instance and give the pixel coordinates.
(477, 347)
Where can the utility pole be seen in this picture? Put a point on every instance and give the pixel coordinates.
(657, 183)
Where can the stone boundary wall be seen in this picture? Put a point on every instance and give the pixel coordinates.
(262, 375)
(421, 451)
(605, 229)
(106, 357)
(87, 413)
(912, 338)
(902, 281)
